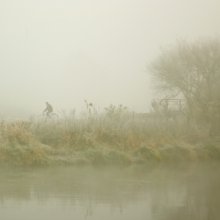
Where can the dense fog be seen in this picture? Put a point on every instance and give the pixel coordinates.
(67, 51)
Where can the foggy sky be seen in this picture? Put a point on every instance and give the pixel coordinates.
(65, 51)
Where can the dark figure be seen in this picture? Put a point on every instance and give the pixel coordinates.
(48, 110)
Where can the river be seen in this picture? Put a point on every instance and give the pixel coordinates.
(154, 192)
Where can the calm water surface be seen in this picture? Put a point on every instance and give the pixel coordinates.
(182, 192)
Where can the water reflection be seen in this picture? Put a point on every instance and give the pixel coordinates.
(158, 193)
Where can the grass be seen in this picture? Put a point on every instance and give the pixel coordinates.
(114, 137)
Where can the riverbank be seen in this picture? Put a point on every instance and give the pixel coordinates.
(43, 155)
(102, 140)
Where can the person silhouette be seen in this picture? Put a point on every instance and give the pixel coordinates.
(48, 110)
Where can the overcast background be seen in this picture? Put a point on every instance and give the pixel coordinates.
(65, 51)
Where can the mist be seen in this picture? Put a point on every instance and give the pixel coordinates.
(109, 109)
(67, 51)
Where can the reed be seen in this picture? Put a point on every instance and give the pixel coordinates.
(113, 136)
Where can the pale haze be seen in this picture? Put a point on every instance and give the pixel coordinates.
(65, 51)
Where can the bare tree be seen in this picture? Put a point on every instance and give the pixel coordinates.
(192, 70)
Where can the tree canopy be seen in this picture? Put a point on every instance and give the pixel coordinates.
(192, 71)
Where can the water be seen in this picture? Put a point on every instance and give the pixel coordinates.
(111, 193)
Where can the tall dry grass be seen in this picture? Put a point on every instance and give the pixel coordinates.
(114, 136)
